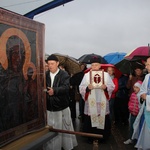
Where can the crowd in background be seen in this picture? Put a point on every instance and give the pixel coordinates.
(124, 103)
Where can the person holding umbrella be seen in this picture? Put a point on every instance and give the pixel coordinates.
(121, 113)
(138, 75)
(111, 72)
(96, 88)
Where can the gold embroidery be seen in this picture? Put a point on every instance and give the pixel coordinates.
(101, 119)
(94, 118)
(103, 105)
(92, 102)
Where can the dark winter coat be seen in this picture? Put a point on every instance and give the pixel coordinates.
(60, 99)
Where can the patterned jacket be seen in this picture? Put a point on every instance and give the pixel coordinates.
(133, 104)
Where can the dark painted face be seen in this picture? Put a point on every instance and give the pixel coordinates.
(16, 58)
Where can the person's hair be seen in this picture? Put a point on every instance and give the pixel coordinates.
(85, 66)
(52, 57)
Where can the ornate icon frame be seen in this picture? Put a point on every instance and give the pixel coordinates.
(32, 35)
(97, 78)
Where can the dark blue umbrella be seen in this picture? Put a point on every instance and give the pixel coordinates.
(113, 58)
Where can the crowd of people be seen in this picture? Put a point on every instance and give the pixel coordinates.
(104, 100)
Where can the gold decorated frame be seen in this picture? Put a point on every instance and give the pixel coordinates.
(97, 78)
(32, 35)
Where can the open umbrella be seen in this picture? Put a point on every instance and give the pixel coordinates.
(70, 64)
(87, 57)
(105, 66)
(113, 58)
(142, 52)
(127, 66)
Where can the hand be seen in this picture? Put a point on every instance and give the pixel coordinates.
(90, 87)
(143, 96)
(50, 91)
(130, 77)
(103, 87)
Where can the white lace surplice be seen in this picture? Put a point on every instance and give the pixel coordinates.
(98, 95)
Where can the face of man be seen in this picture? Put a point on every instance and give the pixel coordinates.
(147, 65)
(110, 70)
(53, 65)
(95, 66)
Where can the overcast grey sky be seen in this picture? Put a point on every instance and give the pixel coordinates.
(96, 26)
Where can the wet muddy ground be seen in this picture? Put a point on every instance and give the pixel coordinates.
(119, 133)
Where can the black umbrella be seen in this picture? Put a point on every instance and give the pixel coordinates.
(87, 57)
(127, 66)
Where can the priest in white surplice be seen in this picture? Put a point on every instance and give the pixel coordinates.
(142, 123)
(96, 88)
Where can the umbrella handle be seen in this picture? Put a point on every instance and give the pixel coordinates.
(103, 76)
(90, 76)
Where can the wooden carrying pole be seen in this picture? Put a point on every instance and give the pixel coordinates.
(76, 133)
